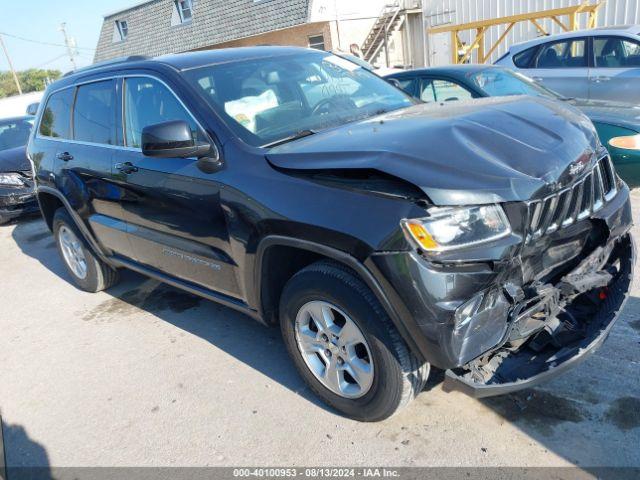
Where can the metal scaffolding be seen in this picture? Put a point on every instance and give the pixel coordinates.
(461, 53)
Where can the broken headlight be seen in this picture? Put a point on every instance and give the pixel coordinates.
(11, 179)
(451, 228)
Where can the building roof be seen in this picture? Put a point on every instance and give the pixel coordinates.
(154, 26)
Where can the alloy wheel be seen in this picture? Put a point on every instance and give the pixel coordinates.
(334, 349)
(72, 252)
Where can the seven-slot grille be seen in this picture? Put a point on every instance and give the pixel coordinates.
(574, 203)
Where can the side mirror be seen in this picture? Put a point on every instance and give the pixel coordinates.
(172, 139)
(32, 108)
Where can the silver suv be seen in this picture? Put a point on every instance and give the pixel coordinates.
(599, 64)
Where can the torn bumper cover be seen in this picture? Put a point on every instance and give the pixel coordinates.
(575, 316)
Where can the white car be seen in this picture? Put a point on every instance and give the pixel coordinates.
(598, 64)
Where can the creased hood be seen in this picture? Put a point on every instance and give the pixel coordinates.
(482, 151)
(14, 160)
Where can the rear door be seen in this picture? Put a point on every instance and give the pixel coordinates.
(175, 218)
(563, 66)
(87, 164)
(615, 76)
(75, 142)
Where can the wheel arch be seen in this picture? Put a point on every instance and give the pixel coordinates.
(50, 200)
(295, 254)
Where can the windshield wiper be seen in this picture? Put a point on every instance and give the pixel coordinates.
(290, 138)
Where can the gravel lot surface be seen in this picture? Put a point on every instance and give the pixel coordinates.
(145, 375)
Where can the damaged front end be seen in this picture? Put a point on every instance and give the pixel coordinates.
(511, 312)
(552, 327)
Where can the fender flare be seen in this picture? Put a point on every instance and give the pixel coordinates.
(84, 230)
(346, 259)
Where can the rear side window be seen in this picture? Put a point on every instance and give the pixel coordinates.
(94, 113)
(56, 117)
(564, 54)
(523, 59)
(148, 102)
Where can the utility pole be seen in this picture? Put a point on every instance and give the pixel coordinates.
(70, 43)
(13, 72)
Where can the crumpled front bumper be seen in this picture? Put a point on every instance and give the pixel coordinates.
(431, 298)
(525, 367)
(15, 202)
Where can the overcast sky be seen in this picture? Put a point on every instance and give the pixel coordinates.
(40, 20)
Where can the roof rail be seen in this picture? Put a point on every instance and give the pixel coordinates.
(105, 63)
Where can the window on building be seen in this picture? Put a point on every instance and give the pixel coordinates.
(56, 118)
(148, 102)
(94, 113)
(564, 54)
(317, 42)
(615, 52)
(185, 11)
(122, 29)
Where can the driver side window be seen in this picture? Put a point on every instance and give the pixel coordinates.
(148, 102)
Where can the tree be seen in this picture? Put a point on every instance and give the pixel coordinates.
(31, 80)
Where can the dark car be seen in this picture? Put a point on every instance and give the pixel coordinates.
(17, 195)
(617, 124)
(490, 238)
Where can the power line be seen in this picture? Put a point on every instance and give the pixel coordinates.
(13, 72)
(42, 43)
(70, 44)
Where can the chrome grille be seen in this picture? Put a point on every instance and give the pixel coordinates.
(573, 203)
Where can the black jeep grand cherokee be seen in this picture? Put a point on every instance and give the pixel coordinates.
(490, 238)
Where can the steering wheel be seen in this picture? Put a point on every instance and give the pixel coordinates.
(339, 102)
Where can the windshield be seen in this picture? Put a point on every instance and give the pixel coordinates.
(14, 133)
(266, 100)
(501, 83)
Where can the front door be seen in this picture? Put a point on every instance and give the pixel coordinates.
(175, 218)
(616, 73)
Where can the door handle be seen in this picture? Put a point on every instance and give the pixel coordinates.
(64, 156)
(126, 167)
(537, 79)
(601, 79)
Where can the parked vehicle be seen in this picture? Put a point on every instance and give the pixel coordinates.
(489, 238)
(598, 64)
(17, 195)
(617, 124)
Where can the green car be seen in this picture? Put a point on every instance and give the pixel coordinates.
(618, 125)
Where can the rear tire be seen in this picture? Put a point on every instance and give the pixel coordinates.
(332, 291)
(88, 272)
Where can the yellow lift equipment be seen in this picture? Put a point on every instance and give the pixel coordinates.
(461, 53)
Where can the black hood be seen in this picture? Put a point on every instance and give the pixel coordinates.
(488, 150)
(14, 160)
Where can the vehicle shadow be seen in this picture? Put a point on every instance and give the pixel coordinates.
(24, 458)
(221, 326)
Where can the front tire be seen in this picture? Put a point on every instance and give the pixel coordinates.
(345, 346)
(88, 272)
